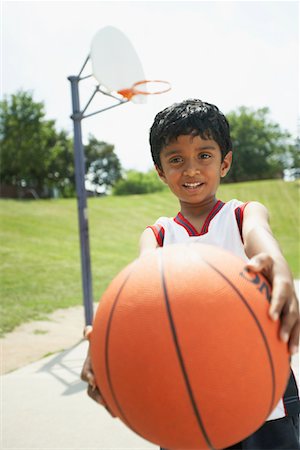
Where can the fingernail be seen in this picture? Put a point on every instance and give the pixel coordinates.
(284, 336)
(275, 316)
(294, 349)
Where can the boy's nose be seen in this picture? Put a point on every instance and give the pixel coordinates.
(191, 170)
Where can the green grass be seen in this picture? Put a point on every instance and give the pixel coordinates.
(282, 200)
(40, 260)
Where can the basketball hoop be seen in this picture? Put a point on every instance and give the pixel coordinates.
(115, 64)
(146, 87)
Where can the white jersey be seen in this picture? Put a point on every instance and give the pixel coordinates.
(223, 228)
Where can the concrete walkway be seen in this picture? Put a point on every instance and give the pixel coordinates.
(44, 406)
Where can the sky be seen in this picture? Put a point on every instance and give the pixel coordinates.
(227, 53)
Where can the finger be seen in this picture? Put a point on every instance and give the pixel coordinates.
(289, 330)
(84, 375)
(260, 262)
(281, 298)
(294, 339)
(88, 376)
(97, 397)
(91, 380)
(87, 373)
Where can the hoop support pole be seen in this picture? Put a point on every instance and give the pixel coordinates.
(79, 161)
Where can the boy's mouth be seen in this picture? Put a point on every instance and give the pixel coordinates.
(192, 185)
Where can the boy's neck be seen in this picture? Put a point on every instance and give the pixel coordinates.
(197, 211)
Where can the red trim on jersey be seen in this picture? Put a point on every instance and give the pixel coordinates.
(239, 215)
(159, 233)
(181, 220)
(218, 206)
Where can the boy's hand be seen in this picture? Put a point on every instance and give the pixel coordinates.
(284, 302)
(87, 375)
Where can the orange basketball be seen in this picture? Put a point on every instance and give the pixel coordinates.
(183, 349)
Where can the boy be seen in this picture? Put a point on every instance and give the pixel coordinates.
(191, 149)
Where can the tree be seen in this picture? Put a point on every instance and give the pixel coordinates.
(61, 170)
(294, 155)
(26, 141)
(33, 154)
(103, 167)
(260, 147)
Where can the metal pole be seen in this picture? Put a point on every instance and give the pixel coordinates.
(82, 202)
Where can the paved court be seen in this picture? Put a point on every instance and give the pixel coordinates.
(45, 406)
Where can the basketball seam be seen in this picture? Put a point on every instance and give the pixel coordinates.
(107, 369)
(180, 356)
(260, 329)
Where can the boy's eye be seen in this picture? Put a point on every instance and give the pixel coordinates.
(175, 160)
(204, 156)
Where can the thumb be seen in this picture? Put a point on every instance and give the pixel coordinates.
(87, 332)
(260, 262)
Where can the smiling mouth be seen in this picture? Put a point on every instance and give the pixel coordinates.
(192, 185)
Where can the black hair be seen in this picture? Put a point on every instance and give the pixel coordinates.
(193, 117)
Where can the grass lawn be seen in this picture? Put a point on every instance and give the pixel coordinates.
(40, 260)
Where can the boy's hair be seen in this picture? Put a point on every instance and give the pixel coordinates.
(193, 117)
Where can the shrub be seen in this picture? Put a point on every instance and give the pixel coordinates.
(135, 182)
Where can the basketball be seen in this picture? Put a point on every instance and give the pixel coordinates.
(184, 351)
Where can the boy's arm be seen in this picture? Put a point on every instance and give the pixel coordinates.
(148, 241)
(266, 257)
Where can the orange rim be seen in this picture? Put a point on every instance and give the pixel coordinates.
(135, 90)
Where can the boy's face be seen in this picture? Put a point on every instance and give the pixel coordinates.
(192, 168)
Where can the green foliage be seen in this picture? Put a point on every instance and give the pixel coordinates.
(136, 182)
(33, 154)
(103, 167)
(260, 147)
(294, 155)
(40, 260)
(61, 170)
(26, 141)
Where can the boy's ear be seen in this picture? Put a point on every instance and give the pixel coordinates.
(160, 173)
(226, 164)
